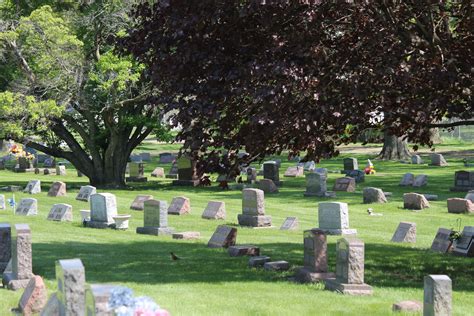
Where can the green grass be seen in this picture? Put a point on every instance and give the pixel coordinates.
(209, 282)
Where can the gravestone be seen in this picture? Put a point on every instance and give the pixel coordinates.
(406, 232)
(438, 160)
(280, 265)
(21, 259)
(469, 196)
(167, 157)
(463, 181)
(158, 172)
(47, 171)
(136, 172)
(315, 259)
(407, 307)
(441, 242)
(243, 250)
(33, 187)
(71, 293)
(437, 297)
(309, 165)
(214, 210)
(253, 209)
(407, 180)
(34, 297)
(460, 206)
(145, 156)
(223, 237)
(5, 245)
(349, 268)
(464, 246)
(315, 184)
(251, 175)
(85, 193)
(136, 158)
(60, 212)
(61, 170)
(186, 172)
(415, 201)
(155, 219)
(258, 261)
(350, 164)
(294, 172)
(27, 207)
(97, 299)
(22, 164)
(416, 160)
(49, 163)
(103, 209)
(334, 218)
(267, 186)
(272, 171)
(290, 223)
(179, 206)
(2, 202)
(52, 306)
(137, 204)
(57, 189)
(346, 184)
(358, 175)
(420, 181)
(186, 235)
(373, 195)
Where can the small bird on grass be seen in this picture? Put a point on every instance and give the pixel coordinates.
(174, 257)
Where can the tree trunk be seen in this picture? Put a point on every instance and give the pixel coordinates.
(394, 148)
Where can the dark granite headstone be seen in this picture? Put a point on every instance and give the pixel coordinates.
(441, 242)
(186, 172)
(465, 245)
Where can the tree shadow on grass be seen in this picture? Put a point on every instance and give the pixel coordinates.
(148, 261)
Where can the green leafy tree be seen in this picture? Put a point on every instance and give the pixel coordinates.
(64, 91)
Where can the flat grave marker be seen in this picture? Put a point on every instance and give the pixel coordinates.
(441, 242)
(290, 223)
(57, 189)
(85, 193)
(137, 203)
(27, 207)
(406, 232)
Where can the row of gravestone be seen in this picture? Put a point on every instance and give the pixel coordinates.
(74, 296)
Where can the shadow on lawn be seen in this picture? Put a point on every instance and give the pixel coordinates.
(148, 261)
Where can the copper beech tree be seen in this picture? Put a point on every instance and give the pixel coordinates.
(268, 76)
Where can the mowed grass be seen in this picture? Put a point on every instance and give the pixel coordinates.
(208, 282)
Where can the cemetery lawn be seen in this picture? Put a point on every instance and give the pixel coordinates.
(209, 282)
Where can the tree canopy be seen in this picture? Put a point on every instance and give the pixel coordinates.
(270, 76)
(67, 93)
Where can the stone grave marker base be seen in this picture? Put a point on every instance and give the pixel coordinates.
(187, 235)
(348, 289)
(101, 225)
(136, 179)
(10, 283)
(254, 220)
(186, 183)
(243, 250)
(155, 231)
(305, 275)
(328, 231)
(258, 261)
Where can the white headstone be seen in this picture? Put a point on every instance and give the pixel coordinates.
(27, 207)
(103, 208)
(85, 193)
(60, 212)
(33, 187)
(334, 218)
(2, 202)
